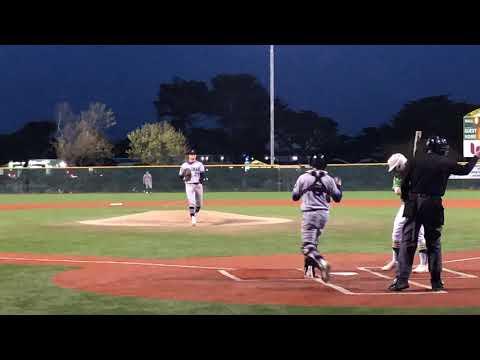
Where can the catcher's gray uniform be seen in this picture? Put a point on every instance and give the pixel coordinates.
(193, 184)
(315, 188)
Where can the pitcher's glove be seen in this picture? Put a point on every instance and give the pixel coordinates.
(187, 175)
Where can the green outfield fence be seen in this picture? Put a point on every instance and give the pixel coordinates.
(165, 178)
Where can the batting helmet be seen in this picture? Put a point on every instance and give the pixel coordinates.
(438, 145)
(318, 161)
(397, 161)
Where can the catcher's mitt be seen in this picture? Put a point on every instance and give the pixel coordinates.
(187, 175)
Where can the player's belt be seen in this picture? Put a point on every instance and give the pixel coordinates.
(312, 210)
(414, 196)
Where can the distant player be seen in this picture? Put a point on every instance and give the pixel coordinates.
(192, 173)
(316, 189)
(147, 182)
(397, 164)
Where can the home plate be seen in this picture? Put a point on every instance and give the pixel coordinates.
(344, 273)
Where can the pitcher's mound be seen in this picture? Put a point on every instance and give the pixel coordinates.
(181, 218)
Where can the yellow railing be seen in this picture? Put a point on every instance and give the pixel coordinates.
(207, 165)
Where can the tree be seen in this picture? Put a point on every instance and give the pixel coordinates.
(82, 145)
(63, 114)
(157, 143)
(241, 104)
(120, 148)
(179, 101)
(98, 117)
(433, 115)
(32, 141)
(80, 138)
(238, 103)
(304, 132)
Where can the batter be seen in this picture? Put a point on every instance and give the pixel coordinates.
(397, 164)
(316, 189)
(192, 172)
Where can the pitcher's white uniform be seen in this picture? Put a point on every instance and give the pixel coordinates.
(194, 187)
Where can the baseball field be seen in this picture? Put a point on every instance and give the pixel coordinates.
(138, 254)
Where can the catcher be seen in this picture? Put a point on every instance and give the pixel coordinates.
(192, 172)
(316, 188)
(397, 164)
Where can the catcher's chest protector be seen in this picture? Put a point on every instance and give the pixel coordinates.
(319, 187)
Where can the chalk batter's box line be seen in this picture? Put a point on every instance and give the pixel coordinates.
(349, 292)
(346, 291)
(338, 288)
(411, 282)
(237, 278)
(460, 275)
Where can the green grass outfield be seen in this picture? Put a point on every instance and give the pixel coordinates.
(29, 290)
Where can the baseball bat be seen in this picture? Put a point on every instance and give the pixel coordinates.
(418, 136)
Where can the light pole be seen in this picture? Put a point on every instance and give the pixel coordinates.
(272, 107)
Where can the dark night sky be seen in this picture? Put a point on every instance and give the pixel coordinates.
(357, 85)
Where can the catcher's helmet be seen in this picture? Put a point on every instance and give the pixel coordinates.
(318, 161)
(438, 145)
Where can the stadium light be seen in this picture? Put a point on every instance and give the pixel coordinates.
(222, 158)
(294, 158)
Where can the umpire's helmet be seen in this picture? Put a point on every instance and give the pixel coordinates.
(438, 145)
(318, 161)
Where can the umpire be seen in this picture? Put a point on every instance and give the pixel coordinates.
(422, 190)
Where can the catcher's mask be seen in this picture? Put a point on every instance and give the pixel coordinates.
(318, 161)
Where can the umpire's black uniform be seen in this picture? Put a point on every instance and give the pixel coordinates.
(422, 191)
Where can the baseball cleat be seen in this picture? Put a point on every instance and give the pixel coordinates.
(194, 221)
(421, 269)
(397, 285)
(324, 270)
(438, 285)
(322, 265)
(392, 264)
(309, 272)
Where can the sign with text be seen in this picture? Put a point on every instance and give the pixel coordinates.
(471, 133)
(475, 174)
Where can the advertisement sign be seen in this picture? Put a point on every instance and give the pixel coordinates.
(475, 174)
(471, 133)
